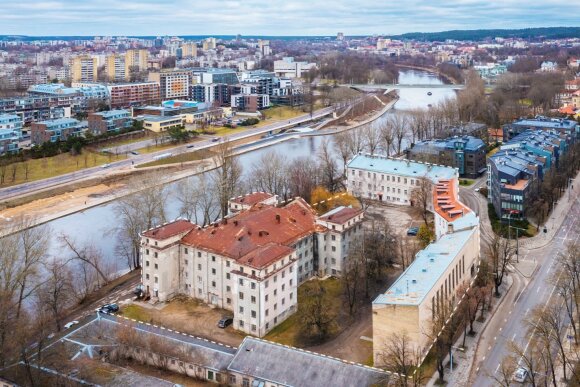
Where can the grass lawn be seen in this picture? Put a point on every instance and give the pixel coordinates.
(288, 332)
(466, 182)
(282, 113)
(137, 312)
(53, 166)
(156, 148)
(181, 158)
(222, 131)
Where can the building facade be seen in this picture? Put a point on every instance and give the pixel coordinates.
(250, 263)
(84, 68)
(250, 102)
(174, 84)
(10, 133)
(391, 180)
(56, 130)
(115, 68)
(466, 153)
(125, 95)
(569, 127)
(109, 121)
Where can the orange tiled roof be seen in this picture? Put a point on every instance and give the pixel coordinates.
(342, 216)
(169, 229)
(445, 201)
(250, 230)
(252, 198)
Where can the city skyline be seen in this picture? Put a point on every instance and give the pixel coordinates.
(257, 17)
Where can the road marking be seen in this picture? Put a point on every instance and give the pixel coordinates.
(488, 348)
(497, 368)
(514, 336)
(538, 291)
(495, 338)
(500, 328)
(483, 358)
(527, 310)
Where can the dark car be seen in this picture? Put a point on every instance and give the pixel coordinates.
(109, 308)
(215, 139)
(413, 231)
(224, 322)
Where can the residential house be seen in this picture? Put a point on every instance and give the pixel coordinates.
(56, 130)
(109, 121)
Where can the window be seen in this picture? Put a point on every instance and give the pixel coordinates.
(156, 266)
(199, 266)
(241, 323)
(253, 313)
(227, 263)
(275, 292)
(198, 254)
(156, 280)
(241, 280)
(253, 298)
(283, 301)
(209, 375)
(186, 261)
(232, 379)
(275, 306)
(227, 275)
(266, 298)
(333, 248)
(155, 254)
(245, 382)
(253, 285)
(146, 276)
(290, 283)
(146, 251)
(241, 295)
(333, 237)
(185, 250)
(147, 263)
(213, 271)
(241, 309)
(266, 284)
(253, 327)
(213, 258)
(213, 284)
(291, 269)
(229, 300)
(283, 287)
(228, 289)
(267, 311)
(291, 295)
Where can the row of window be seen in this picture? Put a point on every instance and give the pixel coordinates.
(396, 179)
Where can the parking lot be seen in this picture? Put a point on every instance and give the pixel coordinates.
(400, 218)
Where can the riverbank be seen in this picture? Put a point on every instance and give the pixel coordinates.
(433, 70)
(104, 190)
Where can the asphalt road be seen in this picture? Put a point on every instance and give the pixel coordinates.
(531, 288)
(8, 192)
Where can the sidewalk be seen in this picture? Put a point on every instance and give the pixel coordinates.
(555, 220)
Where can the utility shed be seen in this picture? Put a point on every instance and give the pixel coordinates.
(266, 364)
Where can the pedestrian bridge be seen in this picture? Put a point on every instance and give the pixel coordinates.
(390, 86)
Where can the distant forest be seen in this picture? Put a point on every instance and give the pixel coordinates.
(479, 35)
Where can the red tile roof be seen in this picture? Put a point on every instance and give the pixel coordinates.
(252, 198)
(265, 255)
(445, 201)
(254, 228)
(169, 229)
(342, 216)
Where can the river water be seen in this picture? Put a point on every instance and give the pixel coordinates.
(92, 225)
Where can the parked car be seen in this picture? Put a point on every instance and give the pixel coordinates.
(109, 308)
(521, 375)
(190, 146)
(70, 324)
(215, 139)
(413, 231)
(224, 322)
(134, 153)
(105, 166)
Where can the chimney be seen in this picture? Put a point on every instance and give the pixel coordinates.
(235, 222)
(277, 218)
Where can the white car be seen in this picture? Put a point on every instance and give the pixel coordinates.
(70, 324)
(521, 375)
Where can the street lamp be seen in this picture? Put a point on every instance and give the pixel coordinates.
(518, 241)
(451, 356)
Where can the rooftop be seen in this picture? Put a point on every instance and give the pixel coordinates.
(547, 123)
(60, 121)
(429, 265)
(259, 226)
(341, 215)
(278, 364)
(469, 143)
(113, 113)
(446, 203)
(402, 167)
(252, 198)
(169, 229)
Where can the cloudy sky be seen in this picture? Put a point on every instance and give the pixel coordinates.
(275, 17)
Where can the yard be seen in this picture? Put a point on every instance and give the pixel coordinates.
(37, 169)
(188, 316)
(282, 113)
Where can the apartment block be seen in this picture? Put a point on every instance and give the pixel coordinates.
(188, 50)
(466, 153)
(249, 102)
(10, 133)
(215, 93)
(251, 262)
(174, 84)
(56, 130)
(115, 68)
(288, 68)
(391, 180)
(33, 109)
(563, 126)
(125, 95)
(109, 121)
(84, 68)
(136, 60)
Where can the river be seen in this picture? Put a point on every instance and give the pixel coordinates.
(91, 225)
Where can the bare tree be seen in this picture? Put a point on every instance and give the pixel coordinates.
(329, 168)
(268, 174)
(399, 356)
(421, 197)
(197, 201)
(353, 276)
(227, 177)
(303, 177)
(500, 255)
(56, 294)
(372, 136)
(387, 135)
(87, 254)
(399, 129)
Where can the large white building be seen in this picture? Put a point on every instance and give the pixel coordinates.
(288, 68)
(251, 262)
(391, 180)
(432, 280)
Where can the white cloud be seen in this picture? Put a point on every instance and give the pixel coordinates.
(263, 17)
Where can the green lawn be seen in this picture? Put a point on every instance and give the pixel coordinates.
(466, 182)
(37, 169)
(136, 312)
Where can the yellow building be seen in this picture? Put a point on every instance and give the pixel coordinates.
(136, 59)
(115, 68)
(159, 124)
(84, 68)
(189, 50)
(209, 44)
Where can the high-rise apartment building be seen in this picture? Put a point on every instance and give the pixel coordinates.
(174, 84)
(209, 44)
(84, 68)
(189, 50)
(136, 59)
(115, 68)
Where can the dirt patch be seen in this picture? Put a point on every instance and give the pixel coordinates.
(399, 217)
(186, 315)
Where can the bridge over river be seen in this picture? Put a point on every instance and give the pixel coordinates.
(390, 87)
